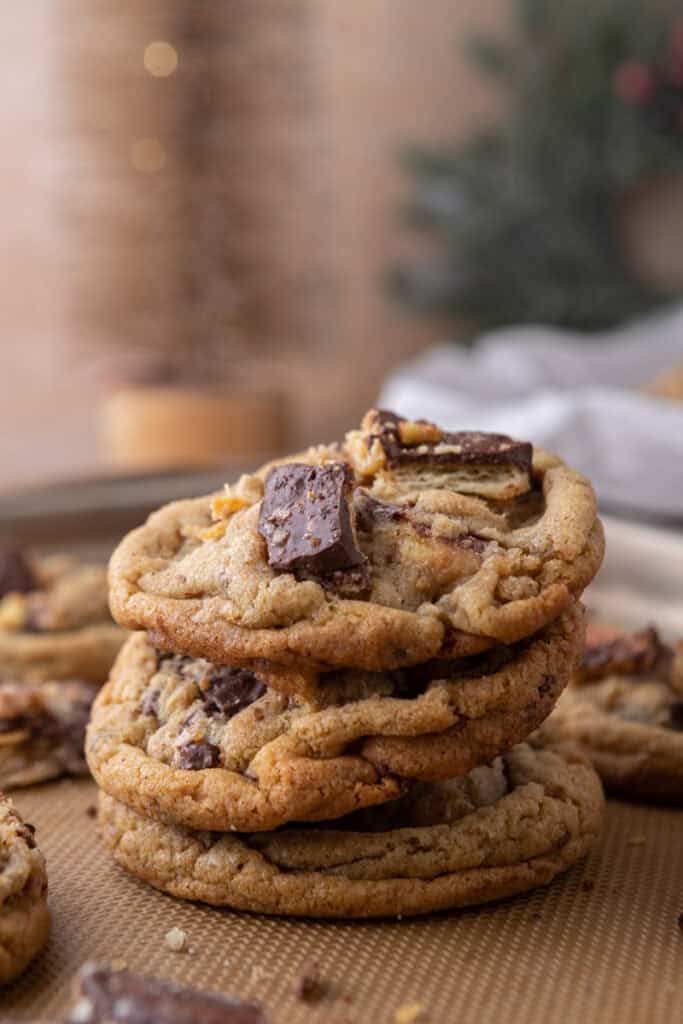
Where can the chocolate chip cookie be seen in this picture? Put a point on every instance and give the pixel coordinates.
(211, 747)
(54, 619)
(42, 730)
(402, 545)
(501, 830)
(625, 711)
(24, 917)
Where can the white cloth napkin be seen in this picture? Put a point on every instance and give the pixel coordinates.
(568, 392)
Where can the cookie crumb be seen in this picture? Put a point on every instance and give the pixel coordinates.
(259, 973)
(175, 939)
(636, 841)
(118, 964)
(588, 885)
(91, 811)
(410, 1013)
(308, 986)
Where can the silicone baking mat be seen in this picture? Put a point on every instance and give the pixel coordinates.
(602, 944)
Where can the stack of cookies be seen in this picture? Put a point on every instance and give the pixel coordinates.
(336, 664)
(57, 646)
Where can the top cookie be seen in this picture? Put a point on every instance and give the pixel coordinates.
(54, 619)
(405, 543)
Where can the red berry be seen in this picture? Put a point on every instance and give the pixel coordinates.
(633, 82)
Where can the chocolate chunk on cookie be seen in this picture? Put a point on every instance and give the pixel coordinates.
(16, 575)
(306, 522)
(195, 756)
(419, 452)
(105, 995)
(230, 690)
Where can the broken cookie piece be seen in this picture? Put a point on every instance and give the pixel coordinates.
(104, 996)
(420, 454)
(42, 730)
(610, 650)
(307, 523)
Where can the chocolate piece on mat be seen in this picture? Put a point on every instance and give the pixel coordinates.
(106, 996)
(306, 521)
(16, 575)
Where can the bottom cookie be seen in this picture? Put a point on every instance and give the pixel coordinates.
(24, 916)
(501, 830)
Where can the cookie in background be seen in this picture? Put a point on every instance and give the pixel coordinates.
(54, 619)
(625, 712)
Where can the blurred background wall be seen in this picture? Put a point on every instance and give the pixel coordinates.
(380, 73)
(250, 194)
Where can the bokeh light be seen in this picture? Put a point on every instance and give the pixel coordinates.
(160, 59)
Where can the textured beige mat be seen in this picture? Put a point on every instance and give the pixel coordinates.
(602, 944)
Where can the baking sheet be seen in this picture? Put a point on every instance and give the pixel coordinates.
(602, 944)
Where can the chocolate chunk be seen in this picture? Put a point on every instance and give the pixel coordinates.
(16, 574)
(28, 832)
(408, 443)
(369, 511)
(230, 690)
(194, 756)
(149, 705)
(107, 996)
(308, 986)
(547, 683)
(676, 716)
(305, 519)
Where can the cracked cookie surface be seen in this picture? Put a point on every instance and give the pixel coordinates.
(501, 830)
(54, 619)
(24, 916)
(402, 545)
(207, 746)
(625, 712)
